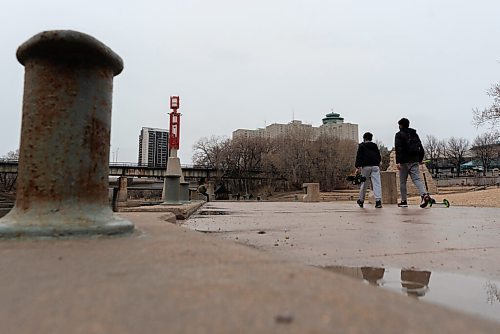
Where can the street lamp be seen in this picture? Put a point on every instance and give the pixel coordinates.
(172, 185)
(174, 102)
(175, 126)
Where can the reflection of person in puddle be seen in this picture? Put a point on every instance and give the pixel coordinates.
(415, 282)
(372, 275)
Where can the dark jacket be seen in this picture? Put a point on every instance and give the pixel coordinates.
(368, 155)
(401, 144)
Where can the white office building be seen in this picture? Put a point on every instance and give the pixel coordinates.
(153, 147)
(333, 126)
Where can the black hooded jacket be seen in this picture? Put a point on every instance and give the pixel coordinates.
(368, 155)
(403, 155)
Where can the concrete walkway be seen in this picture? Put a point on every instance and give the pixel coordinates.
(167, 279)
(461, 240)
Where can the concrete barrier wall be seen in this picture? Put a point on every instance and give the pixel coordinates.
(468, 181)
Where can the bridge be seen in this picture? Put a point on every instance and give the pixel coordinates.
(128, 169)
(125, 170)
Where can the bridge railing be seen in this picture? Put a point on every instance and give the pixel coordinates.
(138, 165)
(120, 164)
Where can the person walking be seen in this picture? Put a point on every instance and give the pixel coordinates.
(202, 189)
(409, 156)
(367, 162)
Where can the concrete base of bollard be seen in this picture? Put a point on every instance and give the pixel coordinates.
(312, 192)
(66, 221)
(184, 192)
(389, 187)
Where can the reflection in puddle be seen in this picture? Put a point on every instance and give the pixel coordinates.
(465, 293)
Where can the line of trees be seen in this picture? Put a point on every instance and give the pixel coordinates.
(8, 180)
(485, 148)
(248, 165)
(455, 149)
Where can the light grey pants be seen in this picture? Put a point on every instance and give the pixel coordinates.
(411, 168)
(371, 173)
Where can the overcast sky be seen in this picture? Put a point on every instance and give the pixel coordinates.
(244, 64)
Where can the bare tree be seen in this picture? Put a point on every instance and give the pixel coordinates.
(483, 148)
(245, 159)
(291, 155)
(433, 150)
(212, 153)
(385, 154)
(455, 151)
(492, 113)
(8, 180)
(249, 165)
(11, 155)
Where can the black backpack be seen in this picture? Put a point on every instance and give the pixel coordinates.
(413, 143)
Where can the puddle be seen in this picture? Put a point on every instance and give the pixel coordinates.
(212, 212)
(210, 231)
(151, 203)
(469, 294)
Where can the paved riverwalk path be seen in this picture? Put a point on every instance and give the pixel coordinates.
(165, 278)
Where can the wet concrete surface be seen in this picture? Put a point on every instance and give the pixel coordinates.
(472, 294)
(458, 240)
(167, 279)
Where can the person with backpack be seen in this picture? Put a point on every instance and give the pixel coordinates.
(409, 155)
(367, 162)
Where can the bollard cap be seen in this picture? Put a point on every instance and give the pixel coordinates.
(69, 45)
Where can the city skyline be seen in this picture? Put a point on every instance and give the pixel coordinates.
(333, 126)
(372, 62)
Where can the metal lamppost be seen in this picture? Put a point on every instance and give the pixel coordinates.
(172, 185)
(175, 126)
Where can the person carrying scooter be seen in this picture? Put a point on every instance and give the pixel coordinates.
(367, 163)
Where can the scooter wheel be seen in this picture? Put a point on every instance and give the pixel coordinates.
(446, 203)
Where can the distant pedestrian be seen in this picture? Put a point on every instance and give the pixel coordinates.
(367, 162)
(202, 189)
(409, 155)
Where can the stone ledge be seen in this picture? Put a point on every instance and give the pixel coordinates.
(181, 211)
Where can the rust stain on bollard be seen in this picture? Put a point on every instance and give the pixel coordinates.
(65, 137)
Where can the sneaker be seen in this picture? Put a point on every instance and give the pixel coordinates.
(360, 203)
(403, 204)
(426, 199)
(378, 204)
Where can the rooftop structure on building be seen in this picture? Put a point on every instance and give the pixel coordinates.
(153, 147)
(333, 118)
(333, 126)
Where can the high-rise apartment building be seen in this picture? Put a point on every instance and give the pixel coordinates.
(153, 147)
(333, 126)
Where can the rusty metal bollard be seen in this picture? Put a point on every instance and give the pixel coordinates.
(62, 185)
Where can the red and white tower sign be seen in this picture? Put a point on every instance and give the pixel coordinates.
(175, 124)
